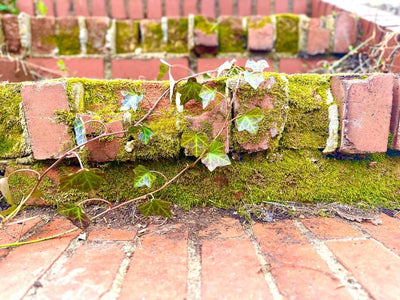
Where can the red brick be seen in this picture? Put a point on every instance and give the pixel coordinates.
(172, 8)
(225, 7)
(297, 65)
(315, 8)
(118, 9)
(373, 266)
(136, 9)
(263, 7)
(162, 260)
(40, 100)
(76, 67)
(154, 9)
(90, 272)
(97, 29)
(299, 7)
(43, 35)
(330, 228)
(25, 264)
(244, 8)
(365, 111)
(190, 7)
(50, 7)
(295, 264)
(395, 118)
(111, 234)
(317, 38)
(205, 43)
(346, 33)
(26, 7)
(223, 228)
(63, 8)
(281, 7)
(260, 38)
(11, 70)
(99, 8)
(207, 8)
(230, 270)
(81, 8)
(388, 233)
(210, 64)
(68, 30)
(147, 69)
(11, 33)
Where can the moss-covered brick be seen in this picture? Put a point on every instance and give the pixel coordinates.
(127, 36)
(307, 126)
(177, 35)
(43, 35)
(12, 140)
(97, 29)
(287, 33)
(205, 35)
(231, 35)
(68, 36)
(272, 99)
(152, 36)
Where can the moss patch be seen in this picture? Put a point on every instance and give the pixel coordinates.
(206, 25)
(68, 40)
(152, 36)
(287, 33)
(127, 36)
(177, 35)
(231, 36)
(259, 22)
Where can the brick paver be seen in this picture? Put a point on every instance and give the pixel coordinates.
(330, 228)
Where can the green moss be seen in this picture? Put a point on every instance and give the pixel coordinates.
(152, 38)
(287, 33)
(205, 25)
(12, 142)
(259, 22)
(127, 36)
(231, 36)
(68, 41)
(177, 35)
(308, 120)
(64, 116)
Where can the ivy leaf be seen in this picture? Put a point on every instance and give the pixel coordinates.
(131, 100)
(42, 8)
(225, 66)
(156, 207)
(143, 176)
(254, 79)
(145, 135)
(194, 143)
(80, 134)
(190, 90)
(5, 191)
(84, 180)
(164, 68)
(257, 66)
(207, 94)
(75, 214)
(216, 156)
(249, 121)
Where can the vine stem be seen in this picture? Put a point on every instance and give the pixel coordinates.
(95, 199)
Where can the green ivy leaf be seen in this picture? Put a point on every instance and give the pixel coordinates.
(5, 191)
(194, 143)
(156, 207)
(80, 134)
(84, 180)
(164, 68)
(145, 135)
(61, 65)
(254, 79)
(249, 121)
(75, 214)
(42, 8)
(190, 90)
(207, 94)
(143, 176)
(216, 156)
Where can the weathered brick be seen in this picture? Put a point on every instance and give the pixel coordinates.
(27, 7)
(68, 36)
(244, 8)
(136, 9)
(373, 266)
(263, 8)
(111, 234)
(154, 9)
(40, 100)
(189, 7)
(295, 264)
(99, 8)
(230, 269)
(127, 36)
(118, 9)
(314, 8)
(152, 36)
(299, 7)
(97, 30)
(50, 8)
(11, 33)
(346, 32)
(231, 34)
(205, 42)
(81, 8)
(317, 37)
(260, 35)
(207, 8)
(172, 8)
(281, 7)
(95, 265)
(395, 118)
(11, 71)
(223, 228)
(365, 111)
(162, 260)
(177, 35)
(43, 35)
(330, 228)
(63, 8)
(226, 7)
(297, 65)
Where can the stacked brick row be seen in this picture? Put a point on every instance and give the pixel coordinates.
(350, 114)
(140, 9)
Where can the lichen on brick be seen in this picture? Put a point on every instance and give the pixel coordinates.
(287, 33)
(127, 36)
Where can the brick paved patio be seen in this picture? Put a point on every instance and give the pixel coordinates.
(290, 259)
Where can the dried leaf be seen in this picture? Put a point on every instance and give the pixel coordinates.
(5, 191)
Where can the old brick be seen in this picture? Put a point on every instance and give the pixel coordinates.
(68, 36)
(11, 33)
(395, 119)
(223, 228)
(27, 7)
(346, 33)
(365, 111)
(99, 9)
(330, 228)
(226, 7)
(205, 42)
(244, 8)
(261, 34)
(281, 6)
(136, 9)
(189, 7)
(172, 8)
(127, 36)
(50, 8)
(154, 9)
(10, 70)
(97, 30)
(210, 64)
(117, 8)
(43, 35)
(81, 8)
(317, 38)
(152, 36)
(263, 8)
(299, 7)
(63, 8)
(297, 65)
(40, 100)
(111, 234)
(233, 37)
(207, 8)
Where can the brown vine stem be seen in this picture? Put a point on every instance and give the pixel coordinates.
(95, 199)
